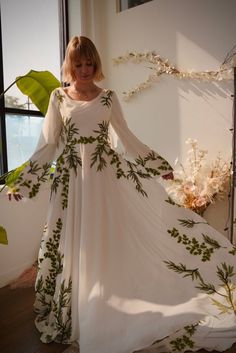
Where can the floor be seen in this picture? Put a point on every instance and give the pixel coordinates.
(17, 331)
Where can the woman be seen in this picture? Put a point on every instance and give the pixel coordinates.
(118, 269)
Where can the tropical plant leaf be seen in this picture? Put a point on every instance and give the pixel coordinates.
(3, 236)
(38, 85)
(14, 174)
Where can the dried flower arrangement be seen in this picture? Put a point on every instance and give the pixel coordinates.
(198, 184)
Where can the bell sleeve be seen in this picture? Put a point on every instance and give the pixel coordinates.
(143, 156)
(28, 178)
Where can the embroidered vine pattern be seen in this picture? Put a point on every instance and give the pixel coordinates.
(45, 288)
(233, 251)
(224, 273)
(63, 323)
(41, 173)
(189, 223)
(69, 159)
(171, 202)
(133, 170)
(107, 98)
(205, 248)
(56, 259)
(60, 98)
(184, 341)
(102, 155)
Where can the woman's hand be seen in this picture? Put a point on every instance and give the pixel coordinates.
(15, 195)
(169, 176)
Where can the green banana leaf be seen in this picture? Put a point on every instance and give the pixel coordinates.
(3, 236)
(38, 85)
(14, 174)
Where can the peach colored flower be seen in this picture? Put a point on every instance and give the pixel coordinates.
(200, 201)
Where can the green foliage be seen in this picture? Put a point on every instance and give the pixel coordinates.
(38, 85)
(189, 223)
(181, 269)
(224, 273)
(170, 201)
(3, 236)
(63, 323)
(233, 251)
(150, 157)
(134, 173)
(107, 99)
(102, 147)
(14, 175)
(41, 174)
(45, 288)
(184, 342)
(68, 159)
(206, 287)
(213, 243)
(205, 248)
(181, 343)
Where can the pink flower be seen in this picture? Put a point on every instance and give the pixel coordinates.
(188, 188)
(200, 201)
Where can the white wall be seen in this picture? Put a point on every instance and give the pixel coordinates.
(24, 222)
(193, 35)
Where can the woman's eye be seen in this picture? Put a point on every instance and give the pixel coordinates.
(80, 65)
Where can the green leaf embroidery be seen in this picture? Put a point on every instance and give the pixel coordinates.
(210, 241)
(224, 273)
(181, 343)
(181, 269)
(194, 246)
(107, 99)
(171, 201)
(223, 309)
(45, 290)
(233, 251)
(189, 223)
(63, 322)
(3, 236)
(182, 339)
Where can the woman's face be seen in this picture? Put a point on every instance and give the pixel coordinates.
(83, 70)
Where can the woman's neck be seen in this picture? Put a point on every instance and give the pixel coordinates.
(83, 92)
(85, 88)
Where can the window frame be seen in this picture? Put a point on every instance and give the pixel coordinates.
(63, 41)
(120, 7)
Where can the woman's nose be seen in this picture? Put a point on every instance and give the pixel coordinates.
(84, 68)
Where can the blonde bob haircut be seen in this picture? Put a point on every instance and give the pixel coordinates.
(79, 48)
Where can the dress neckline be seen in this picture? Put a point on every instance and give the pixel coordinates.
(82, 101)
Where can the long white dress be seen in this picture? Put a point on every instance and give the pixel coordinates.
(120, 267)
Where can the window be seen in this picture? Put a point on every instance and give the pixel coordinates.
(127, 4)
(33, 35)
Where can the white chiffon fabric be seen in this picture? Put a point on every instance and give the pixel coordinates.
(112, 243)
